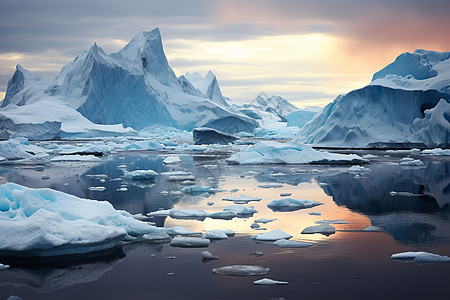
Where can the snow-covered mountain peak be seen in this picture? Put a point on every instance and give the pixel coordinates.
(208, 86)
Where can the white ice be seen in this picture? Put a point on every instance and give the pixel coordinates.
(189, 242)
(420, 257)
(140, 175)
(273, 235)
(242, 199)
(290, 204)
(241, 270)
(215, 235)
(324, 228)
(208, 255)
(267, 281)
(283, 243)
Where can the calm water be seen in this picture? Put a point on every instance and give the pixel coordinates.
(348, 264)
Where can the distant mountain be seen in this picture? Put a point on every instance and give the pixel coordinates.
(134, 87)
(407, 104)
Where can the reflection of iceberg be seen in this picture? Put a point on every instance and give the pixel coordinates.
(48, 275)
(418, 218)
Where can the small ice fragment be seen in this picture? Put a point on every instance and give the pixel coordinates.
(153, 255)
(392, 193)
(195, 189)
(257, 253)
(224, 215)
(215, 235)
(172, 160)
(283, 243)
(159, 213)
(210, 203)
(208, 255)
(369, 156)
(180, 230)
(38, 168)
(242, 199)
(264, 220)
(188, 214)
(290, 204)
(324, 228)
(420, 257)
(169, 274)
(234, 190)
(175, 194)
(241, 270)
(164, 193)
(314, 213)
(241, 210)
(45, 177)
(97, 188)
(371, 228)
(332, 222)
(407, 161)
(189, 242)
(3, 267)
(255, 225)
(140, 175)
(187, 182)
(272, 235)
(102, 180)
(358, 169)
(285, 194)
(229, 232)
(140, 217)
(122, 167)
(267, 281)
(170, 257)
(122, 189)
(270, 185)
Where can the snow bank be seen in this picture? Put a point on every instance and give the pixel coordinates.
(289, 204)
(269, 152)
(241, 270)
(45, 222)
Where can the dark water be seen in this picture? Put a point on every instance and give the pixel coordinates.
(347, 265)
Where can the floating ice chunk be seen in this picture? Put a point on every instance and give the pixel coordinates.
(242, 199)
(179, 230)
(270, 185)
(122, 167)
(224, 215)
(392, 193)
(325, 229)
(97, 188)
(210, 203)
(215, 235)
(332, 222)
(45, 222)
(283, 243)
(420, 257)
(314, 213)
(371, 228)
(285, 194)
(159, 213)
(369, 156)
(188, 214)
(358, 169)
(264, 220)
(175, 194)
(290, 204)
(76, 157)
(229, 232)
(122, 189)
(407, 161)
(3, 267)
(140, 175)
(140, 217)
(257, 253)
(241, 270)
(189, 242)
(436, 151)
(273, 235)
(234, 190)
(172, 160)
(255, 225)
(196, 189)
(208, 255)
(241, 210)
(267, 281)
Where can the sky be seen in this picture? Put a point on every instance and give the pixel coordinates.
(305, 51)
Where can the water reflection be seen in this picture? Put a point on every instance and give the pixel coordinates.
(417, 214)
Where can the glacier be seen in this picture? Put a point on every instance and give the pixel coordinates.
(100, 94)
(406, 105)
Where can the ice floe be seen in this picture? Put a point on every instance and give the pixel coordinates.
(97, 188)
(267, 281)
(215, 235)
(224, 215)
(283, 243)
(242, 199)
(3, 267)
(45, 222)
(188, 214)
(290, 204)
(140, 175)
(273, 235)
(263, 220)
(179, 230)
(407, 161)
(358, 169)
(324, 228)
(172, 160)
(270, 185)
(76, 157)
(189, 242)
(420, 257)
(208, 255)
(292, 152)
(241, 270)
(241, 210)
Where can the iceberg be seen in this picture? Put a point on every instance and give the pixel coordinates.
(267, 281)
(189, 242)
(405, 106)
(224, 215)
(290, 204)
(273, 235)
(241, 270)
(292, 152)
(410, 162)
(45, 222)
(179, 230)
(3, 267)
(242, 199)
(241, 210)
(188, 214)
(358, 169)
(215, 235)
(208, 136)
(208, 255)
(172, 160)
